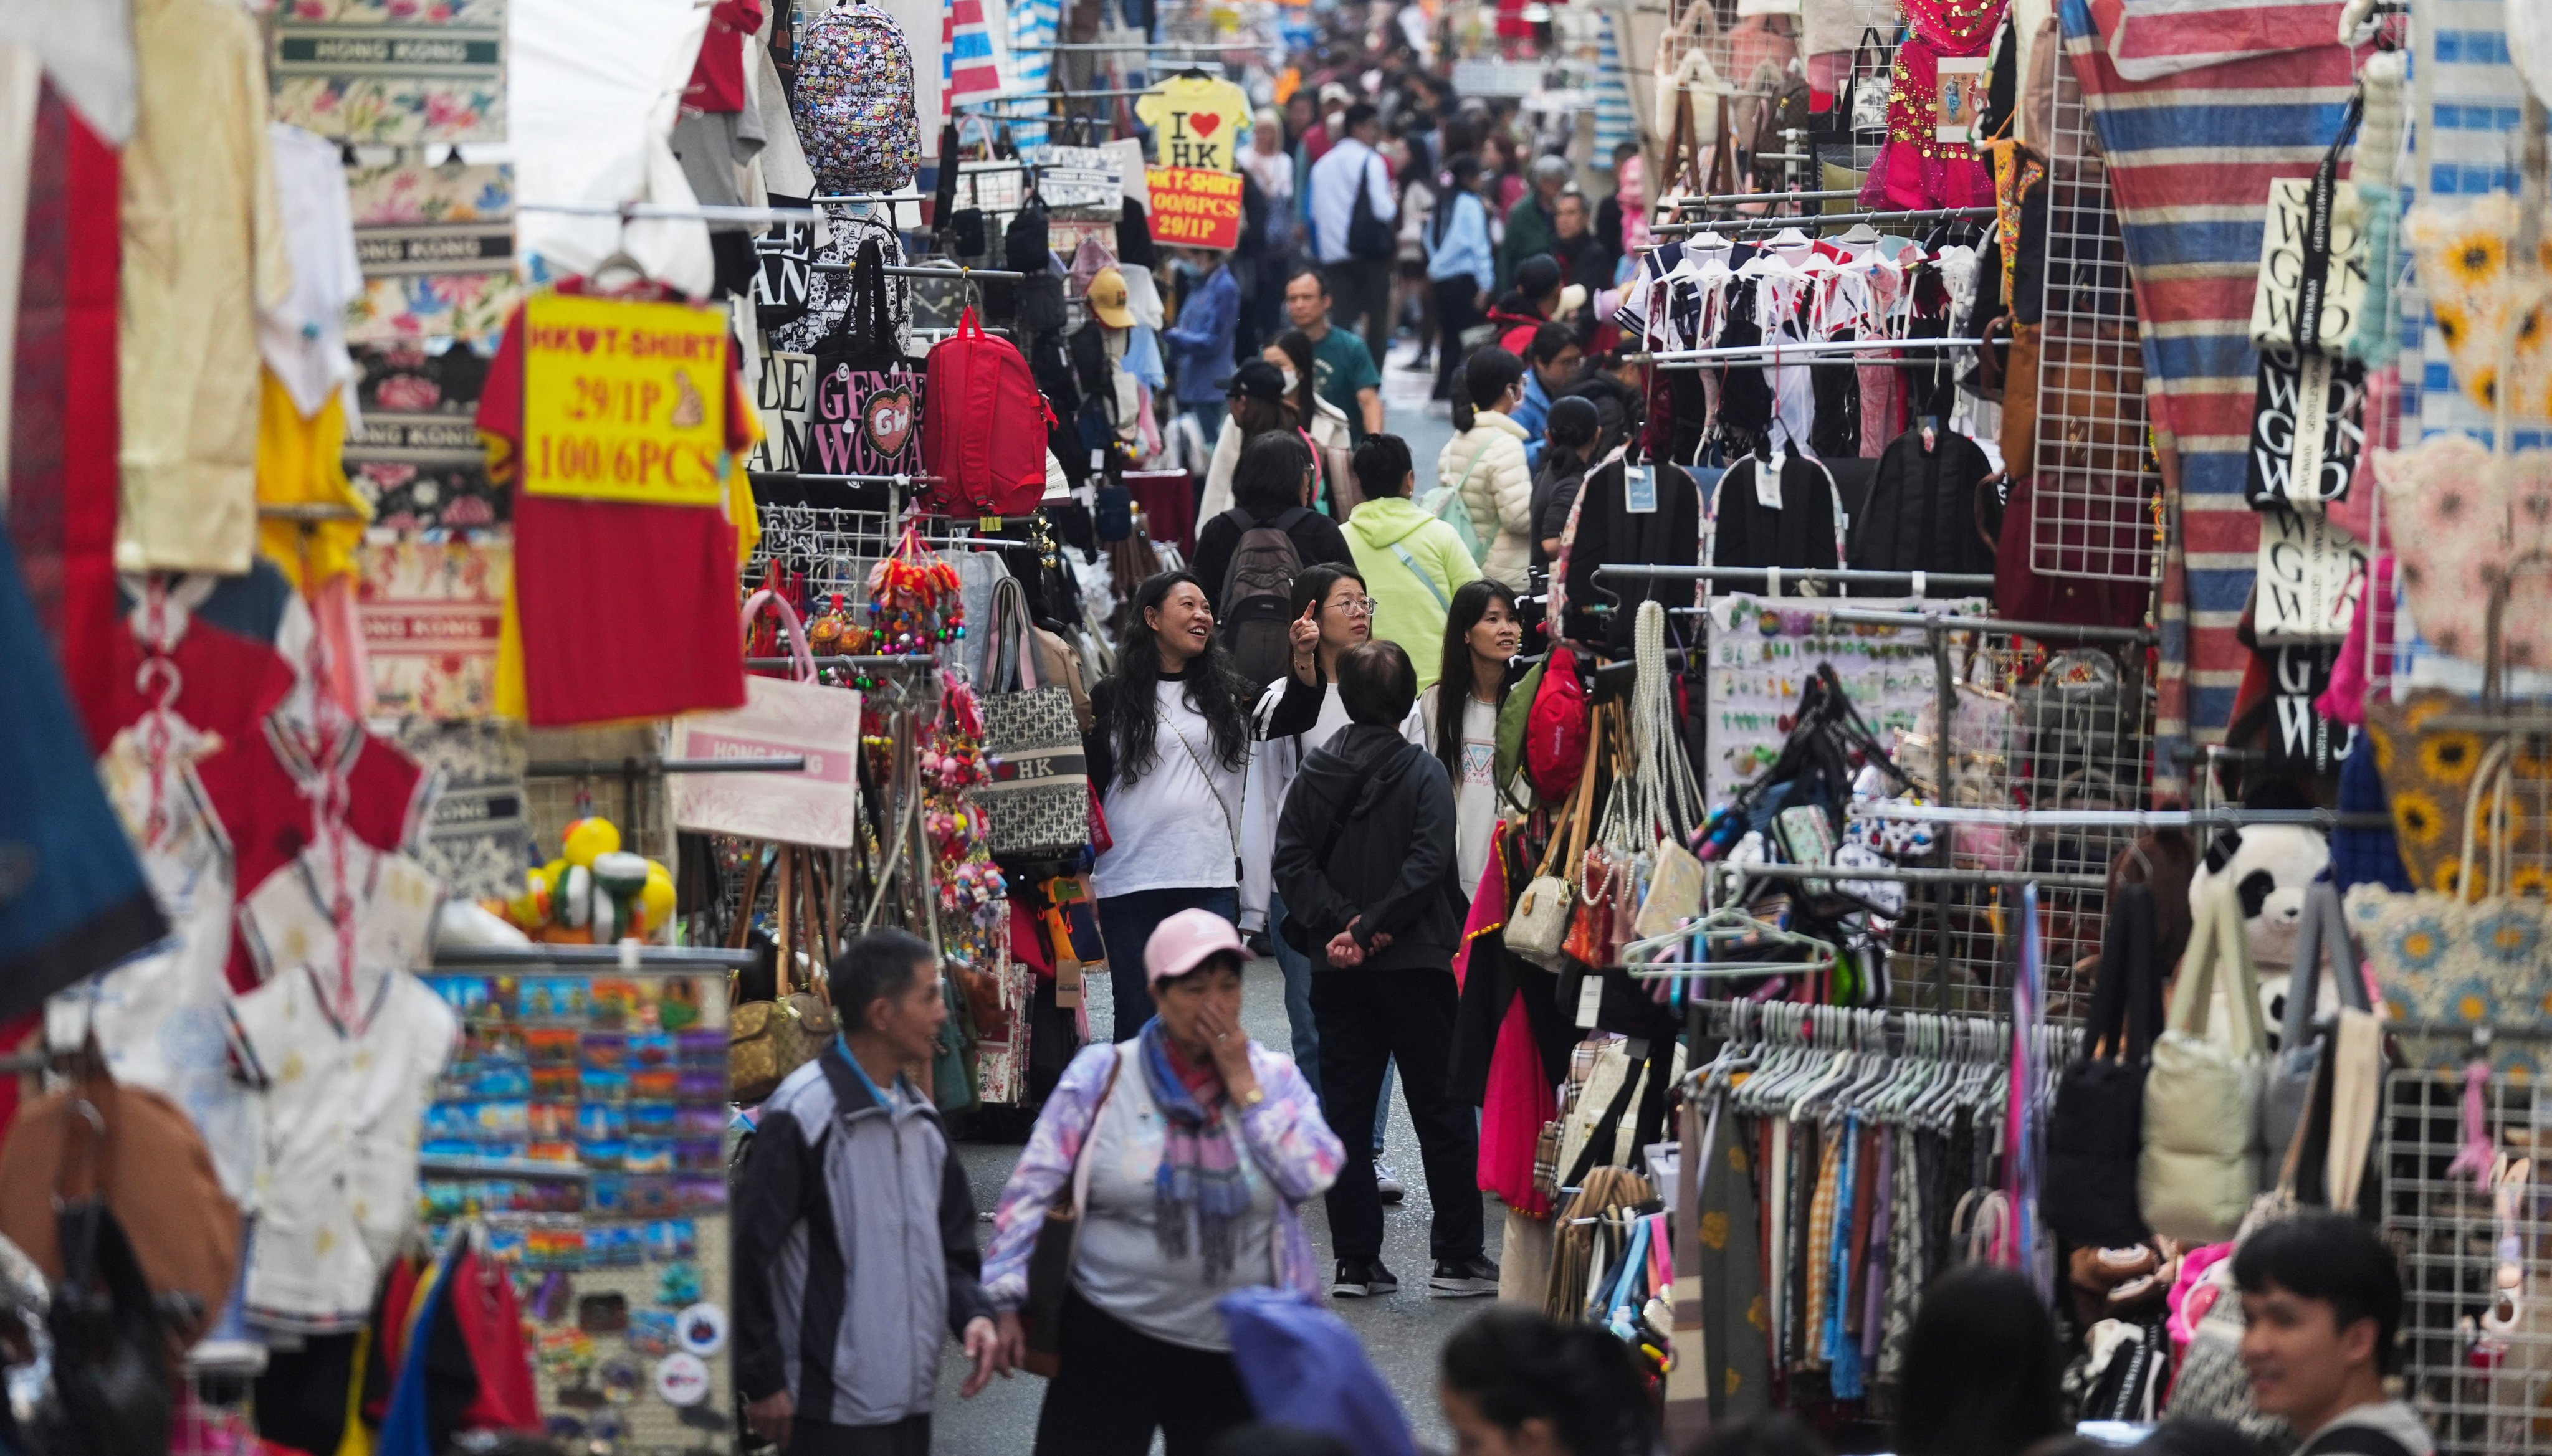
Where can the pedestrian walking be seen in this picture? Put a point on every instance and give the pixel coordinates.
(1323, 425)
(1515, 1381)
(1486, 465)
(1254, 397)
(1352, 233)
(1191, 1150)
(1570, 441)
(1413, 561)
(855, 1229)
(1982, 1368)
(2321, 1310)
(1461, 263)
(1166, 750)
(1201, 342)
(1365, 858)
(1342, 366)
(1483, 632)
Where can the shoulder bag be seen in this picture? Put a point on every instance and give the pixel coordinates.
(1050, 1262)
(2200, 1164)
(1036, 805)
(1538, 926)
(2322, 936)
(1369, 238)
(2095, 1131)
(780, 716)
(768, 1040)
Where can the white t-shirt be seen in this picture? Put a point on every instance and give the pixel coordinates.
(346, 1096)
(1476, 796)
(1179, 826)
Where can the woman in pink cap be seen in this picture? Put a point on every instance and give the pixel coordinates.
(1188, 1151)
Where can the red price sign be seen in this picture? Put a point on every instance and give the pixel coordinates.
(1195, 208)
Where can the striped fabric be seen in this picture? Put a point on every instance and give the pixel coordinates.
(2159, 37)
(1033, 26)
(2190, 158)
(974, 53)
(1614, 122)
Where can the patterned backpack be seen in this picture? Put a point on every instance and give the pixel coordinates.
(856, 116)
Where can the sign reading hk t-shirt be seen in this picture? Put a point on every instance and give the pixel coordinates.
(1195, 121)
(624, 400)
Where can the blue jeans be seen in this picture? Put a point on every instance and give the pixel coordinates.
(1127, 923)
(1298, 1014)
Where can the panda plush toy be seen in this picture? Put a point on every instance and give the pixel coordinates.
(2269, 867)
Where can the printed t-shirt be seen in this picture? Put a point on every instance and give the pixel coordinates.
(1195, 121)
(619, 610)
(344, 1097)
(1341, 367)
(1476, 796)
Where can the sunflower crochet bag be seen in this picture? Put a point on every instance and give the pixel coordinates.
(2469, 954)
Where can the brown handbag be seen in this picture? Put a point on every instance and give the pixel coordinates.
(1050, 1260)
(768, 1040)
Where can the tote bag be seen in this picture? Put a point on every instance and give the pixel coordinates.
(867, 394)
(819, 805)
(2095, 1131)
(2200, 1164)
(1037, 806)
(2322, 937)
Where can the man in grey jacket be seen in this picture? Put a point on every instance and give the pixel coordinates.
(855, 1229)
(1365, 858)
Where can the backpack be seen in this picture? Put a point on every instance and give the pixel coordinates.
(1446, 504)
(853, 102)
(1560, 730)
(983, 424)
(1256, 605)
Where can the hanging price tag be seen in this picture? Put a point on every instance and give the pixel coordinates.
(1639, 490)
(1590, 999)
(625, 401)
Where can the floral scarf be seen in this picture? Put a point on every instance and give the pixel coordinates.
(1200, 1161)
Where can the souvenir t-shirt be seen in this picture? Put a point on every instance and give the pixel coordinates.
(223, 682)
(621, 610)
(1195, 121)
(345, 1082)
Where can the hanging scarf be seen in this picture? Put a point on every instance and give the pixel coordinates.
(1200, 1162)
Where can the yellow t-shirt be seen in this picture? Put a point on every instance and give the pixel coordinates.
(1195, 121)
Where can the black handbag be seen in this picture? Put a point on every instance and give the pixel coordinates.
(1369, 238)
(1050, 1260)
(111, 1350)
(2096, 1132)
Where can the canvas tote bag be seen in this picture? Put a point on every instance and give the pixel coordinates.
(2201, 1166)
(780, 717)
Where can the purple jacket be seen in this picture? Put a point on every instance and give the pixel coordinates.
(1284, 1134)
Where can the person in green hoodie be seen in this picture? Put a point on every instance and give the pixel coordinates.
(1411, 563)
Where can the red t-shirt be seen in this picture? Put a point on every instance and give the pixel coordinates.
(627, 610)
(717, 78)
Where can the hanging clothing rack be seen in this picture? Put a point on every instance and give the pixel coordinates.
(1114, 93)
(1924, 875)
(781, 477)
(902, 659)
(2117, 819)
(1917, 581)
(1774, 354)
(1776, 224)
(596, 768)
(901, 270)
(1943, 622)
(311, 513)
(1739, 199)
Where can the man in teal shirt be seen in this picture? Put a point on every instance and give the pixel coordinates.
(1343, 367)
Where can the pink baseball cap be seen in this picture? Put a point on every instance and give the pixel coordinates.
(1185, 941)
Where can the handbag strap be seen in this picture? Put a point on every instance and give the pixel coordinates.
(2322, 937)
(2123, 999)
(792, 632)
(2320, 202)
(2493, 773)
(2216, 937)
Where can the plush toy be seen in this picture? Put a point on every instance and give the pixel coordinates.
(2269, 867)
(593, 892)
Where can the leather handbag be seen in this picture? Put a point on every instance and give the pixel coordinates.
(2323, 936)
(2200, 1163)
(2095, 1130)
(1037, 804)
(110, 1357)
(819, 805)
(768, 1040)
(1538, 927)
(1050, 1260)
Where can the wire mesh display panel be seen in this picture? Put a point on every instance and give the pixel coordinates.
(2094, 514)
(2034, 726)
(2477, 1366)
(1740, 60)
(830, 549)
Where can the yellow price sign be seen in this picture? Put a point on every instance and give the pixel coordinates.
(624, 400)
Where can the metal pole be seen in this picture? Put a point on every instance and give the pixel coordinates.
(1950, 581)
(1944, 690)
(1821, 219)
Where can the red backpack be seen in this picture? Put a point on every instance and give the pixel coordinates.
(1560, 730)
(982, 425)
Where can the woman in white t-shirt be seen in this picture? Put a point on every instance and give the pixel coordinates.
(1166, 752)
(1482, 634)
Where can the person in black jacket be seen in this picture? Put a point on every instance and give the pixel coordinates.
(1272, 486)
(1365, 858)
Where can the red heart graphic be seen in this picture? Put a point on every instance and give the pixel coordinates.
(586, 339)
(1205, 122)
(886, 419)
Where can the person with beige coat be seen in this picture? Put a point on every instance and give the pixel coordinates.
(1486, 464)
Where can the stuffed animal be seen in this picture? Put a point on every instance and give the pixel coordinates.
(2269, 866)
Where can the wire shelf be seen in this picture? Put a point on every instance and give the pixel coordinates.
(831, 549)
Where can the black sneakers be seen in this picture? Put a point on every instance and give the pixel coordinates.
(1463, 1279)
(1360, 1278)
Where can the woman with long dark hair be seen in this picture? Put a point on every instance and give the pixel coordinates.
(1323, 425)
(1515, 1380)
(1166, 751)
(1483, 631)
(1982, 1368)
(1255, 396)
(1461, 261)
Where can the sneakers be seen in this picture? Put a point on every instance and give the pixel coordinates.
(1359, 1278)
(1463, 1279)
(1387, 1183)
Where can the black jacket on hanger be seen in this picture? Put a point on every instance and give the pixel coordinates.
(1800, 535)
(1922, 515)
(1610, 533)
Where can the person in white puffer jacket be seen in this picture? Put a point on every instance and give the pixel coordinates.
(1486, 464)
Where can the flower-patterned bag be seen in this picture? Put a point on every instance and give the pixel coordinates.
(2466, 955)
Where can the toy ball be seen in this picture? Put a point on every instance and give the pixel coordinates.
(655, 902)
(587, 840)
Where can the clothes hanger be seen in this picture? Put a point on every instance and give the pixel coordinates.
(1729, 922)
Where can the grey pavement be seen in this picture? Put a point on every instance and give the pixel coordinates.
(1401, 1332)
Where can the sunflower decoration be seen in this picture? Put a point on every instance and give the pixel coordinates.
(2449, 875)
(2452, 324)
(2428, 706)
(2420, 943)
(2449, 758)
(2419, 818)
(2383, 743)
(2530, 883)
(2475, 260)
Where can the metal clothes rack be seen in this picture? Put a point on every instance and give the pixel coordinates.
(1917, 581)
(1817, 351)
(1819, 219)
(907, 270)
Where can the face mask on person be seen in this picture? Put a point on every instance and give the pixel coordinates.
(1292, 380)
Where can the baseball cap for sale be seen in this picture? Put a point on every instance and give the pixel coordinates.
(1108, 300)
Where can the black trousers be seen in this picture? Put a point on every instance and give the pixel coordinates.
(909, 1437)
(1458, 307)
(1119, 1384)
(1360, 301)
(1367, 1018)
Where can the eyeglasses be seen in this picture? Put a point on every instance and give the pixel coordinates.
(1362, 607)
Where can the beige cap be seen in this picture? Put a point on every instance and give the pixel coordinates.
(1108, 300)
